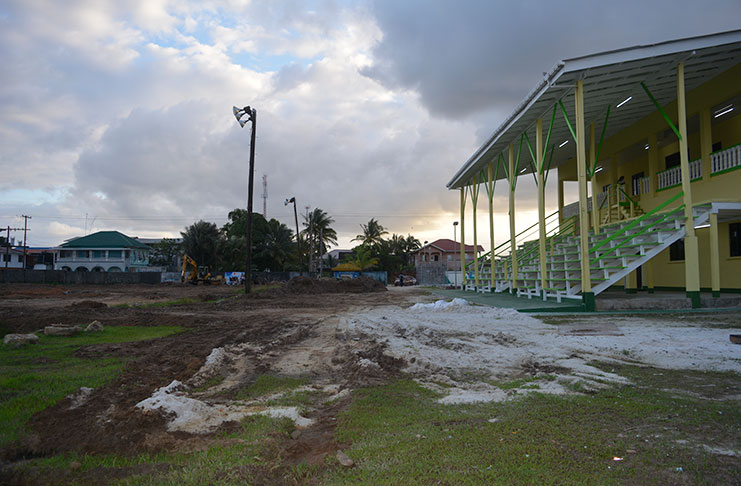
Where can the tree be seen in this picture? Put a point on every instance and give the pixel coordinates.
(318, 232)
(372, 233)
(165, 253)
(272, 248)
(363, 258)
(201, 241)
(277, 245)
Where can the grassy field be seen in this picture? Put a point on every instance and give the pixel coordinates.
(35, 377)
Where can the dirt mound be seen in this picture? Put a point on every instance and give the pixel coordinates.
(87, 304)
(306, 285)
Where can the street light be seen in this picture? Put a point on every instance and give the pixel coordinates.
(251, 116)
(455, 243)
(298, 235)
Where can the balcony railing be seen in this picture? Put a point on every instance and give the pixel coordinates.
(726, 159)
(673, 177)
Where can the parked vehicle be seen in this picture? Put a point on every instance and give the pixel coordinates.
(408, 280)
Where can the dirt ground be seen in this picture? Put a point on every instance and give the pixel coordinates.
(334, 336)
(286, 331)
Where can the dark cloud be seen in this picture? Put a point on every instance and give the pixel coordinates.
(466, 57)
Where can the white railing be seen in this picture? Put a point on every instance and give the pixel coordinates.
(673, 176)
(725, 159)
(645, 185)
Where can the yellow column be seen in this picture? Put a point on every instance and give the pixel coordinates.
(714, 255)
(463, 237)
(653, 162)
(539, 166)
(595, 203)
(691, 255)
(706, 143)
(648, 268)
(512, 238)
(586, 281)
(491, 222)
(475, 202)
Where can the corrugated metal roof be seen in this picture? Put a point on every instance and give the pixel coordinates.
(609, 78)
(104, 239)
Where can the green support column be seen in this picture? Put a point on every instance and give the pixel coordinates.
(581, 164)
(513, 243)
(714, 255)
(691, 254)
(463, 238)
(539, 162)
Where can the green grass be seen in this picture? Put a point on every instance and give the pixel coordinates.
(400, 435)
(269, 384)
(35, 377)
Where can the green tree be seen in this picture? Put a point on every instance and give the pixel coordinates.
(272, 248)
(363, 258)
(278, 246)
(201, 241)
(318, 234)
(165, 253)
(372, 233)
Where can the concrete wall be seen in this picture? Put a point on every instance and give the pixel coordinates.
(432, 273)
(13, 275)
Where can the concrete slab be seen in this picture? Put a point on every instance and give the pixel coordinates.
(508, 301)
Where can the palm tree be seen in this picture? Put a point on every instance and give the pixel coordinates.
(318, 232)
(201, 241)
(372, 233)
(278, 244)
(363, 258)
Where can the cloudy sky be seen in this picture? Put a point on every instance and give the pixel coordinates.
(117, 114)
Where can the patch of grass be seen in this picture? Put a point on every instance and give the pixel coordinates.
(401, 435)
(302, 399)
(211, 382)
(269, 384)
(35, 377)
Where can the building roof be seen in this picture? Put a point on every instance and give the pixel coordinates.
(609, 78)
(446, 245)
(104, 239)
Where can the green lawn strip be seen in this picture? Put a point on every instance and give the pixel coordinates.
(400, 435)
(269, 384)
(35, 377)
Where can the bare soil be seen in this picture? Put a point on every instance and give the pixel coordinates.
(287, 331)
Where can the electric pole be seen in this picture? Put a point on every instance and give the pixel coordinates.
(25, 230)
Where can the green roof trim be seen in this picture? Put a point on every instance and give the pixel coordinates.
(104, 239)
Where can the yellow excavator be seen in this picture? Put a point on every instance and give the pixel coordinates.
(193, 274)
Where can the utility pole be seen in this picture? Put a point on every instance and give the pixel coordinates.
(7, 244)
(25, 230)
(251, 117)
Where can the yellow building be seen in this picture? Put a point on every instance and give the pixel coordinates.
(654, 132)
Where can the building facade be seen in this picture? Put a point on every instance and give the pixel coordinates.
(104, 251)
(444, 250)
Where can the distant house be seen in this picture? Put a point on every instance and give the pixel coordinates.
(336, 255)
(104, 251)
(444, 250)
(11, 258)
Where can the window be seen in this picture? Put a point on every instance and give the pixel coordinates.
(672, 160)
(717, 147)
(676, 251)
(114, 253)
(98, 254)
(734, 235)
(435, 257)
(81, 253)
(637, 183)
(6, 257)
(450, 258)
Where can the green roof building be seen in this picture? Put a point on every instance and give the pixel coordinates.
(104, 251)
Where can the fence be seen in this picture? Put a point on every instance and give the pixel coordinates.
(19, 275)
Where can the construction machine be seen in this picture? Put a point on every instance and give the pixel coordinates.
(193, 274)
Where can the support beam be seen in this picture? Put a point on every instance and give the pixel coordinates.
(490, 184)
(581, 164)
(593, 159)
(463, 238)
(706, 143)
(714, 255)
(691, 254)
(513, 243)
(475, 202)
(540, 162)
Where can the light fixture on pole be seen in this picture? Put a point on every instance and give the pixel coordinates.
(455, 244)
(244, 115)
(298, 235)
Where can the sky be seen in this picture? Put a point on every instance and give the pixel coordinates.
(117, 115)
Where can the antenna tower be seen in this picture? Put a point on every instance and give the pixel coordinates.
(265, 195)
